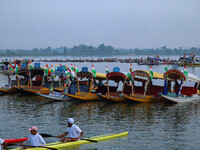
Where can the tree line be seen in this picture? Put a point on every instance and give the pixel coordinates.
(102, 50)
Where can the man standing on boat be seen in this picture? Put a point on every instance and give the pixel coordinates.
(2, 142)
(73, 130)
(35, 139)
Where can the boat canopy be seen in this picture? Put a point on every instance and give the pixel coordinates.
(193, 77)
(59, 73)
(116, 76)
(23, 72)
(146, 74)
(36, 71)
(154, 58)
(85, 74)
(174, 74)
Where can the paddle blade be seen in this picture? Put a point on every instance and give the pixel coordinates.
(46, 135)
(90, 140)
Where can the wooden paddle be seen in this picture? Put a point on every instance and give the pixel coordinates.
(49, 135)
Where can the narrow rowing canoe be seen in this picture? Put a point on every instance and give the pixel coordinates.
(58, 145)
(15, 140)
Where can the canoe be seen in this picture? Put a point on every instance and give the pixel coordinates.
(84, 96)
(113, 98)
(15, 140)
(54, 96)
(58, 145)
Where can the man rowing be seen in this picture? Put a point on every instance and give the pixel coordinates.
(2, 142)
(73, 130)
(35, 139)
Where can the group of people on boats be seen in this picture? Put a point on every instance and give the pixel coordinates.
(36, 140)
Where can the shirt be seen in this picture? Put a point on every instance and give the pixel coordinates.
(36, 140)
(74, 131)
(1, 142)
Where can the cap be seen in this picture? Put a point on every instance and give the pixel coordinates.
(33, 128)
(70, 120)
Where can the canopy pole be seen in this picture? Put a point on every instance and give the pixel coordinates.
(91, 85)
(123, 86)
(107, 87)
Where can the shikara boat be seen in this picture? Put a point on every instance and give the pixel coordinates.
(147, 92)
(59, 78)
(180, 92)
(36, 80)
(9, 76)
(83, 88)
(113, 92)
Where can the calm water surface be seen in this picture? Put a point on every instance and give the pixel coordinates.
(157, 125)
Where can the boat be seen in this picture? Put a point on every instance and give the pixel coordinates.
(36, 81)
(9, 74)
(58, 145)
(82, 87)
(113, 92)
(150, 61)
(59, 79)
(146, 92)
(189, 61)
(8, 141)
(55, 96)
(180, 92)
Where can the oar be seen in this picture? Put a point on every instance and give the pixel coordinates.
(49, 135)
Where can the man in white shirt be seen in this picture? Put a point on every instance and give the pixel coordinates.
(2, 142)
(73, 130)
(35, 139)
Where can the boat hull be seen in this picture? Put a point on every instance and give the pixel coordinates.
(142, 99)
(34, 91)
(180, 99)
(55, 97)
(11, 90)
(58, 145)
(84, 96)
(111, 98)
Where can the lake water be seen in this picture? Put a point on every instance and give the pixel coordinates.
(158, 125)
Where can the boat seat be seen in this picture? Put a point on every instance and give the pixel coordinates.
(189, 91)
(154, 90)
(127, 90)
(138, 90)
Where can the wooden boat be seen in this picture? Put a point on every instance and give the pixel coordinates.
(82, 87)
(147, 92)
(113, 92)
(59, 145)
(180, 93)
(59, 78)
(9, 87)
(36, 79)
(189, 61)
(55, 96)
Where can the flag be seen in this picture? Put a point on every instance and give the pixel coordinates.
(17, 69)
(72, 68)
(130, 77)
(165, 66)
(185, 71)
(93, 71)
(151, 72)
(131, 67)
(76, 69)
(107, 71)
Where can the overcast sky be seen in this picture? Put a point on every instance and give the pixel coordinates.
(120, 23)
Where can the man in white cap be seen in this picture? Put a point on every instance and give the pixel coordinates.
(73, 130)
(2, 142)
(35, 139)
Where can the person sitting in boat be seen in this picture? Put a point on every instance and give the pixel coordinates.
(2, 142)
(73, 130)
(35, 139)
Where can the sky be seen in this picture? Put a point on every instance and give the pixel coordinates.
(27, 24)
